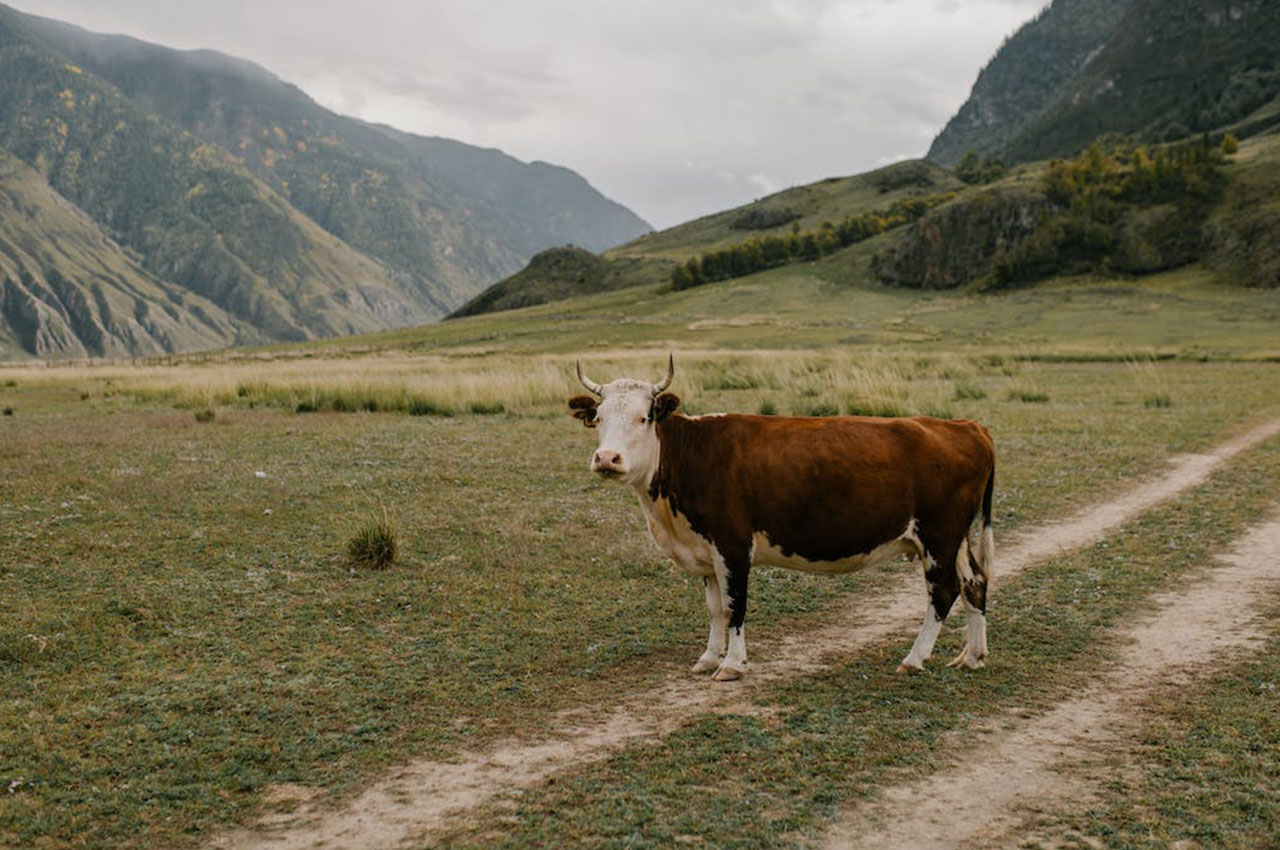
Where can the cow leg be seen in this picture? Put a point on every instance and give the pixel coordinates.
(943, 586)
(731, 573)
(717, 639)
(974, 588)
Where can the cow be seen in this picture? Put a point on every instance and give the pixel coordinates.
(725, 492)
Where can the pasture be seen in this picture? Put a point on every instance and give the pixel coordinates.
(185, 650)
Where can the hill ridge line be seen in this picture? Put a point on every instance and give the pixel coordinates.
(420, 798)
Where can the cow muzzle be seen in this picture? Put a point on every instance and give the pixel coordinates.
(609, 463)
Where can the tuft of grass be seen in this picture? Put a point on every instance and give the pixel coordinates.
(427, 407)
(1029, 396)
(374, 544)
(8, 411)
(822, 408)
(206, 414)
(768, 408)
(487, 408)
(969, 392)
(1151, 383)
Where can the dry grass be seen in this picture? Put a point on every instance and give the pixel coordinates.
(801, 383)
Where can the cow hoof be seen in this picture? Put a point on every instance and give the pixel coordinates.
(909, 669)
(967, 661)
(706, 664)
(727, 674)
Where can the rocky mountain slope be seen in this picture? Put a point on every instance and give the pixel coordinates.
(66, 288)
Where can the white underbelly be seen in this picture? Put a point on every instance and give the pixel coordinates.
(672, 533)
(765, 553)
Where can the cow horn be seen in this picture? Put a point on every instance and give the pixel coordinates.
(588, 383)
(671, 373)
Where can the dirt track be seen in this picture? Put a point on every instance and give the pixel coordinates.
(1001, 781)
(418, 799)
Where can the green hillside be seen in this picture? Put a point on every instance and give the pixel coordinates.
(560, 273)
(803, 207)
(649, 260)
(67, 289)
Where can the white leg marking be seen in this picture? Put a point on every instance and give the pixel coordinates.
(975, 640)
(718, 614)
(962, 562)
(923, 647)
(735, 658)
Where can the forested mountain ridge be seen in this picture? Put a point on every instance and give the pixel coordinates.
(216, 177)
(1156, 70)
(1175, 68)
(1027, 75)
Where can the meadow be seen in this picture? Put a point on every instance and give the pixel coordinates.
(181, 632)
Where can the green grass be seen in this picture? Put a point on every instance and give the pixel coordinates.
(774, 779)
(1204, 769)
(179, 632)
(1182, 314)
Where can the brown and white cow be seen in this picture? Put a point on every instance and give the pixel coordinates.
(725, 492)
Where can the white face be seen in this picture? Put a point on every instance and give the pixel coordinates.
(628, 447)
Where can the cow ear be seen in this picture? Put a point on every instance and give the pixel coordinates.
(665, 405)
(583, 407)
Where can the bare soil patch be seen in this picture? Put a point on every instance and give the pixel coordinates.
(418, 799)
(990, 797)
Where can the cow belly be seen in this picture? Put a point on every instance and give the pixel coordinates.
(765, 553)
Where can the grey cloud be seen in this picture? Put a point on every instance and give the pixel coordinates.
(758, 94)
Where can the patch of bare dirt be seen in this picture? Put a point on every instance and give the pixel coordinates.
(417, 799)
(991, 797)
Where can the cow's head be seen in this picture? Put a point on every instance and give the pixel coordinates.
(625, 412)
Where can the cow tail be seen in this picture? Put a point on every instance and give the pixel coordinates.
(986, 549)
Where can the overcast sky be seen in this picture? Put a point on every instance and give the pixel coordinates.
(676, 108)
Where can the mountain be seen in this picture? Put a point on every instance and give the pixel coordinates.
(233, 185)
(1029, 73)
(435, 210)
(67, 288)
(1174, 68)
(1155, 69)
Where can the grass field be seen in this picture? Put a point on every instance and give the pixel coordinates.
(180, 631)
